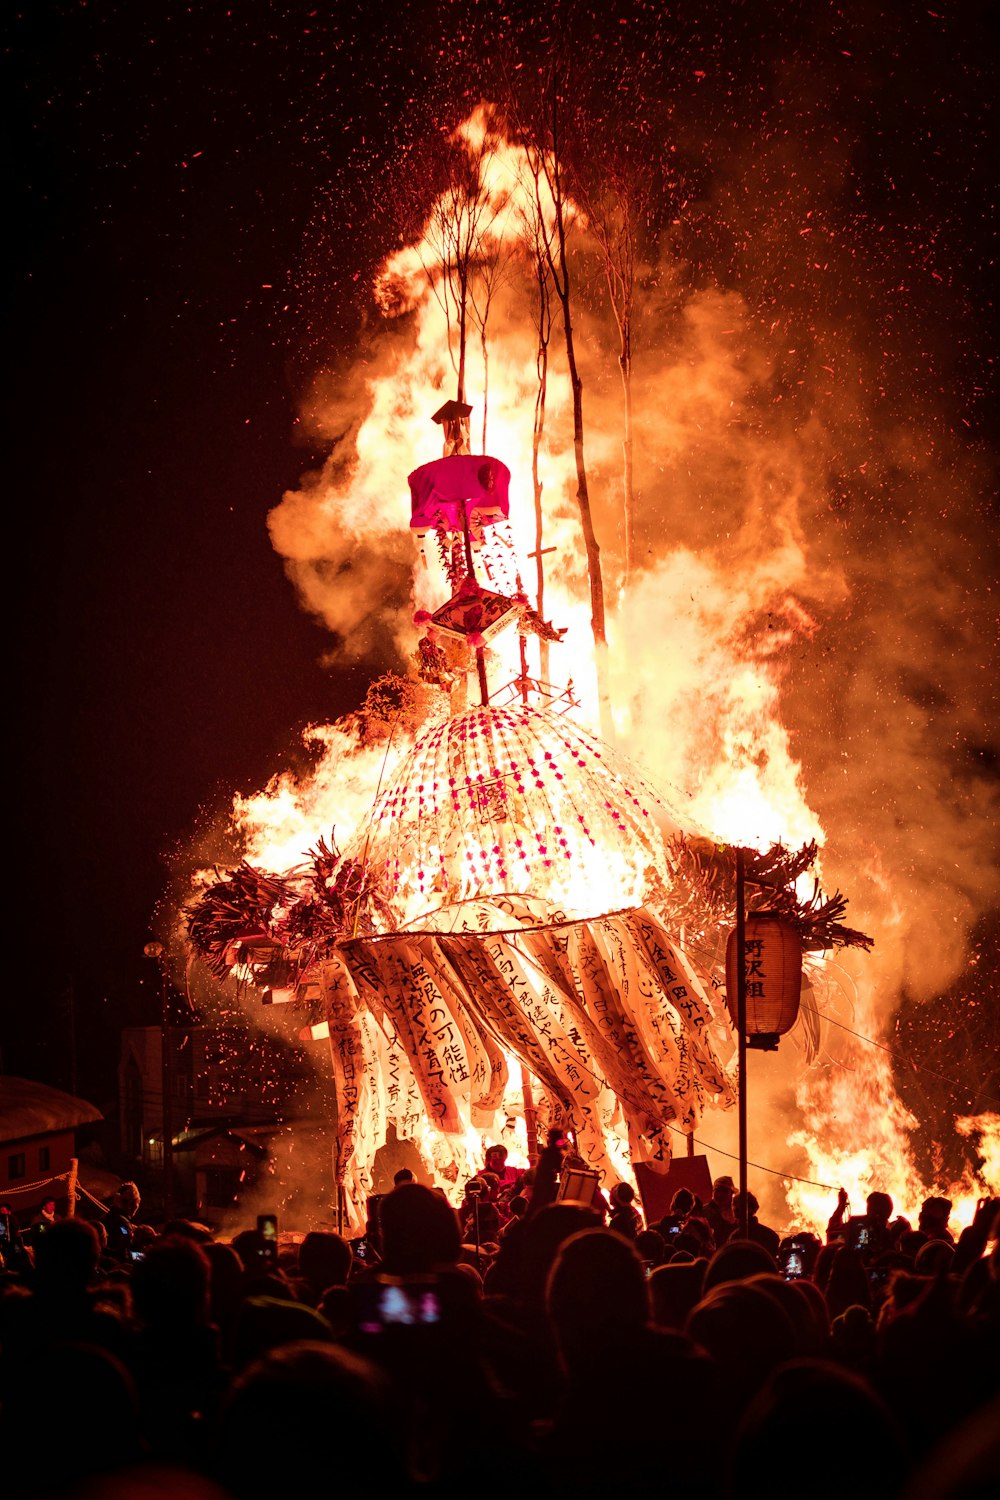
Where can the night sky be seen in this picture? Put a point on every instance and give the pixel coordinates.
(193, 217)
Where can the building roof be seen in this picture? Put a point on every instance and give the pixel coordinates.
(28, 1109)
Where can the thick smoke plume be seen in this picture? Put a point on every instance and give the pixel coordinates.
(806, 640)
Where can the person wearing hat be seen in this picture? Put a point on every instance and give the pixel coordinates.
(495, 1161)
(719, 1211)
(120, 1224)
(932, 1220)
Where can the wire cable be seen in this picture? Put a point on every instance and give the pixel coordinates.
(905, 1062)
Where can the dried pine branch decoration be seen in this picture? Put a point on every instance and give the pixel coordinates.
(240, 903)
(304, 914)
(704, 891)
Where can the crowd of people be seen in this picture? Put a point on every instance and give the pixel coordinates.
(522, 1344)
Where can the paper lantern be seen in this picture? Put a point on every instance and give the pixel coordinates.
(773, 968)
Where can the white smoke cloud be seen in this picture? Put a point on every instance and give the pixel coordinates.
(808, 609)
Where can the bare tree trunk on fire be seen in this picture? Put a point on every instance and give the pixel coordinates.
(461, 243)
(612, 213)
(534, 233)
(546, 164)
(491, 270)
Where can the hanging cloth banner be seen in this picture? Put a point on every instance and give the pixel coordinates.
(676, 980)
(502, 998)
(350, 1059)
(607, 1014)
(488, 1072)
(604, 1014)
(404, 972)
(399, 1095)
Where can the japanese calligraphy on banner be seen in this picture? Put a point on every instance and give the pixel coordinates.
(683, 989)
(351, 1060)
(488, 1072)
(539, 1026)
(403, 971)
(607, 1017)
(619, 1048)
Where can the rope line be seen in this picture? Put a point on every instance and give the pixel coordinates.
(29, 1187)
(95, 1201)
(771, 1171)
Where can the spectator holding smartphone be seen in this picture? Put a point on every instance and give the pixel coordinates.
(43, 1220)
(14, 1254)
(870, 1233)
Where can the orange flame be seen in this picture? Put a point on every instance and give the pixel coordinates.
(703, 642)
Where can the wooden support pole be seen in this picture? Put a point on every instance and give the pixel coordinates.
(741, 1028)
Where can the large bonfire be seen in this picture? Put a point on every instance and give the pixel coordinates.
(488, 905)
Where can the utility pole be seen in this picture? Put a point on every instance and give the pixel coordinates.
(155, 950)
(741, 1032)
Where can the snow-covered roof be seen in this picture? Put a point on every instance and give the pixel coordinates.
(28, 1108)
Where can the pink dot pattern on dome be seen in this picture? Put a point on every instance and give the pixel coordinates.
(501, 799)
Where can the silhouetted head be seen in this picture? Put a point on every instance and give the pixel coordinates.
(804, 1408)
(622, 1195)
(128, 1198)
(518, 1206)
(752, 1205)
(543, 1234)
(746, 1331)
(933, 1256)
(419, 1230)
(325, 1258)
(596, 1295)
(170, 1285)
(651, 1246)
(55, 1413)
(264, 1324)
(723, 1190)
(735, 1261)
(879, 1207)
(66, 1257)
(338, 1406)
(674, 1289)
(225, 1281)
(934, 1215)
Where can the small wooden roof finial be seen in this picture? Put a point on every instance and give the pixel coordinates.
(453, 416)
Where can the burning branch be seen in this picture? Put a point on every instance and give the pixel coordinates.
(705, 884)
(391, 703)
(531, 623)
(252, 918)
(239, 906)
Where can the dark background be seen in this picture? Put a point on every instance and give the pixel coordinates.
(193, 209)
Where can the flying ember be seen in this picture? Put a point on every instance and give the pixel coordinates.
(501, 898)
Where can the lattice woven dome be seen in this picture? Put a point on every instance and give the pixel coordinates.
(515, 799)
